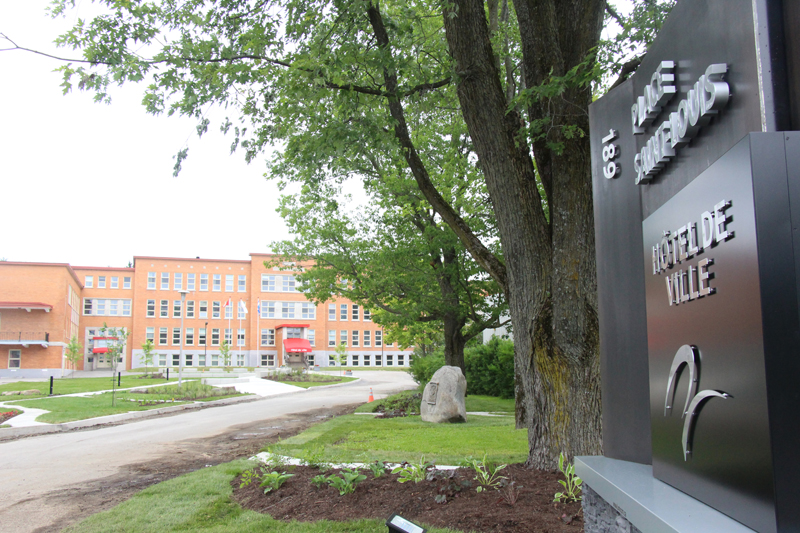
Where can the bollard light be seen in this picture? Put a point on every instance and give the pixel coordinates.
(397, 523)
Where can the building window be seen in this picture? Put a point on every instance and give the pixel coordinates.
(177, 282)
(88, 282)
(165, 281)
(201, 359)
(389, 360)
(294, 333)
(176, 336)
(343, 312)
(188, 359)
(228, 282)
(267, 309)
(267, 359)
(378, 361)
(331, 337)
(101, 282)
(162, 359)
(267, 283)
(151, 280)
(126, 282)
(100, 307)
(310, 359)
(215, 337)
(189, 336)
(87, 306)
(287, 309)
(214, 359)
(331, 311)
(190, 309)
(400, 359)
(355, 337)
(354, 360)
(203, 308)
(309, 310)
(103, 307)
(150, 334)
(228, 310)
(310, 337)
(164, 309)
(343, 337)
(366, 360)
(367, 338)
(126, 308)
(14, 358)
(113, 307)
(115, 282)
(217, 283)
(367, 315)
(201, 338)
(190, 281)
(214, 309)
(242, 287)
(229, 336)
(288, 284)
(176, 309)
(240, 337)
(203, 282)
(162, 336)
(176, 359)
(331, 361)
(241, 312)
(355, 312)
(267, 337)
(379, 338)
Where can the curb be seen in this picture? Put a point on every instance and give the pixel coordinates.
(122, 418)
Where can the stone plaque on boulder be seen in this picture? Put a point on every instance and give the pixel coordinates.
(443, 399)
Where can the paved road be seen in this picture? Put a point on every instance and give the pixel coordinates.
(31, 468)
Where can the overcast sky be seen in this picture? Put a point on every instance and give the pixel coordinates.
(91, 184)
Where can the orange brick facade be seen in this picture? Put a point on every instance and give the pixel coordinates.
(145, 300)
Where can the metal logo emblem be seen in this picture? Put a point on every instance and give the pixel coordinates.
(687, 355)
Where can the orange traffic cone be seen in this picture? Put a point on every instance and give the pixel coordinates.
(371, 397)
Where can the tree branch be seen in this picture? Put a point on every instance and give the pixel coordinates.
(626, 71)
(611, 11)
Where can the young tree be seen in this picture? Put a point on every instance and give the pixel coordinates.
(340, 354)
(74, 353)
(116, 340)
(147, 354)
(225, 353)
(375, 73)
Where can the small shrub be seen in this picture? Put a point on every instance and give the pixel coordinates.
(318, 481)
(486, 475)
(378, 468)
(313, 457)
(274, 480)
(510, 493)
(347, 483)
(571, 482)
(412, 472)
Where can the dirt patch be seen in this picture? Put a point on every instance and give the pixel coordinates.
(463, 507)
(302, 378)
(76, 503)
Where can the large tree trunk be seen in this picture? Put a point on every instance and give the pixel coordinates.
(453, 323)
(550, 264)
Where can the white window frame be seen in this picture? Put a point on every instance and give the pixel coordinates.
(267, 337)
(228, 282)
(332, 312)
(101, 282)
(356, 339)
(12, 359)
(378, 338)
(241, 283)
(343, 312)
(88, 282)
(189, 341)
(151, 281)
(176, 308)
(201, 338)
(126, 282)
(163, 336)
(163, 309)
(190, 279)
(215, 309)
(355, 314)
(114, 282)
(150, 334)
(176, 336)
(204, 282)
(228, 336)
(343, 337)
(214, 336)
(331, 337)
(311, 337)
(216, 283)
(288, 284)
(288, 309)
(268, 310)
(177, 281)
(240, 337)
(229, 312)
(267, 359)
(367, 337)
(367, 315)
(308, 310)
(164, 281)
(203, 311)
(268, 283)
(189, 308)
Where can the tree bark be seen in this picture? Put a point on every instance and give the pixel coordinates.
(551, 278)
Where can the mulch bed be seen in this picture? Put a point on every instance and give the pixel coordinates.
(302, 378)
(466, 510)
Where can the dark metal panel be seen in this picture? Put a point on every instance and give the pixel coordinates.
(697, 34)
(620, 288)
(778, 268)
(791, 30)
(730, 464)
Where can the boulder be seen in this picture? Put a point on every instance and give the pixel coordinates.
(443, 399)
(31, 392)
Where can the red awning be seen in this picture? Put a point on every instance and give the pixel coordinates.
(101, 344)
(297, 345)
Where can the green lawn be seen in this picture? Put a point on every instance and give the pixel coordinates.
(473, 403)
(70, 408)
(364, 439)
(73, 385)
(201, 501)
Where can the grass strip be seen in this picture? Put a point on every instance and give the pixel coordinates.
(201, 501)
(74, 385)
(354, 438)
(317, 382)
(473, 403)
(70, 408)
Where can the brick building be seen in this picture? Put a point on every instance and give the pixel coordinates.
(266, 320)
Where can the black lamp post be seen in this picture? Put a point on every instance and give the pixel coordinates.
(205, 344)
